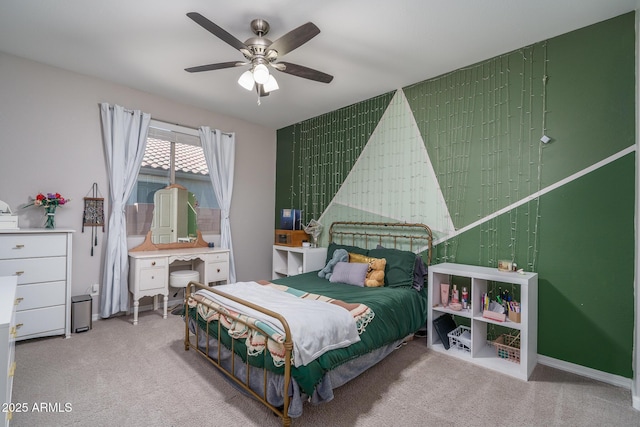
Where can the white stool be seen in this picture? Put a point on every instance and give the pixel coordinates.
(181, 278)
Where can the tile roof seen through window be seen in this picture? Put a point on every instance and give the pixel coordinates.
(189, 158)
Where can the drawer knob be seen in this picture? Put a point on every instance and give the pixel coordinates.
(19, 325)
(14, 330)
(18, 300)
(18, 247)
(218, 270)
(19, 273)
(153, 263)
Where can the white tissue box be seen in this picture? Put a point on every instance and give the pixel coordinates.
(9, 222)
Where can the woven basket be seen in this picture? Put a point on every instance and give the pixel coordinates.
(508, 347)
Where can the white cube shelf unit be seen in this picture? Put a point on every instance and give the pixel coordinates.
(482, 352)
(292, 260)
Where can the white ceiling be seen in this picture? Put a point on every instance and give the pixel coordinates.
(369, 46)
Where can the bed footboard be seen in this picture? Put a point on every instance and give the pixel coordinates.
(229, 371)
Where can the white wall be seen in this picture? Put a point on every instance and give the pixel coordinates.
(50, 141)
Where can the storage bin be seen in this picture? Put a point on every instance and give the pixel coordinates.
(460, 338)
(508, 347)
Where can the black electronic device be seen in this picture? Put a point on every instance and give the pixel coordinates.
(443, 325)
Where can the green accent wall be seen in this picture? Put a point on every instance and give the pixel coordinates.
(591, 96)
(337, 137)
(481, 127)
(586, 266)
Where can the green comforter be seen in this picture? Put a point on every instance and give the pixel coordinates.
(398, 313)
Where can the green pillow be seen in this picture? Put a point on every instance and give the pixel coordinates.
(400, 265)
(333, 246)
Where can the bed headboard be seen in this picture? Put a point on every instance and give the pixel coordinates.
(413, 237)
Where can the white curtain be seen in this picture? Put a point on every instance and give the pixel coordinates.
(124, 134)
(220, 152)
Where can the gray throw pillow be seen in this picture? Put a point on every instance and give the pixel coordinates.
(351, 273)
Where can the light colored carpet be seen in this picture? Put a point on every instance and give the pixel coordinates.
(118, 374)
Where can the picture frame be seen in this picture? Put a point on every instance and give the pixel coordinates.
(505, 265)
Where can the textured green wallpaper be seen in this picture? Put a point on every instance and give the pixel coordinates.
(481, 127)
(582, 245)
(335, 139)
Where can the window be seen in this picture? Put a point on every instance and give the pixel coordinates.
(173, 155)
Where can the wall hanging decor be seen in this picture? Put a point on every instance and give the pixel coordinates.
(93, 214)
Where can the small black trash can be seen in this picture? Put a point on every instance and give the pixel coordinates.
(81, 313)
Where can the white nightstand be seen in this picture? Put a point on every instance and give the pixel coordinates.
(292, 260)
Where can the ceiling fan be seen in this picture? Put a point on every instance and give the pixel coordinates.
(260, 52)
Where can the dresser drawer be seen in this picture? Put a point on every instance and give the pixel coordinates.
(7, 340)
(34, 270)
(151, 262)
(10, 371)
(217, 271)
(40, 321)
(221, 257)
(11, 367)
(39, 295)
(153, 278)
(32, 246)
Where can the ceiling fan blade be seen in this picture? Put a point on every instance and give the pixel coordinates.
(295, 38)
(216, 31)
(305, 72)
(277, 65)
(217, 66)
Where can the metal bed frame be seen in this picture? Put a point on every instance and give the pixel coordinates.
(361, 233)
(358, 233)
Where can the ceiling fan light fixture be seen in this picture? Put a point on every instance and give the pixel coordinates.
(261, 74)
(246, 80)
(260, 53)
(271, 84)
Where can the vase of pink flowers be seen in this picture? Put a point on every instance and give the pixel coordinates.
(49, 202)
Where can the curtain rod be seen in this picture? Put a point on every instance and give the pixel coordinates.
(196, 130)
(126, 110)
(186, 128)
(174, 127)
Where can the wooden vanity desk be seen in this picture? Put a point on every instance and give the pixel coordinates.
(149, 270)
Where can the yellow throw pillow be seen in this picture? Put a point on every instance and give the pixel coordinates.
(375, 274)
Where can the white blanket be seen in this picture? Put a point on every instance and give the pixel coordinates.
(316, 326)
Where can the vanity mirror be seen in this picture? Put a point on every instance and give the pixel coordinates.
(174, 223)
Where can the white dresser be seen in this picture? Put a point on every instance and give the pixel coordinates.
(41, 260)
(8, 304)
(149, 271)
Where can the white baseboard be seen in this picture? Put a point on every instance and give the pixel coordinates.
(605, 377)
(635, 402)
